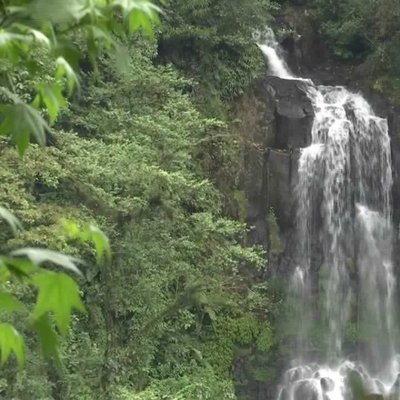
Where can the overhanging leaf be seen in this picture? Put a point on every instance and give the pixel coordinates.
(47, 337)
(101, 243)
(58, 294)
(11, 341)
(51, 96)
(8, 302)
(11, 219)
(90, 234)
(41, 256)
(20, 121)
(19, 267)
(64, 69)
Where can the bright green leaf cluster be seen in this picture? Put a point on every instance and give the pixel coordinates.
(48, 25)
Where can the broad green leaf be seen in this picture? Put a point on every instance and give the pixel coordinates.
(11, 341)
(51, 96)
(20, 121)
(19, 267)
(64, 69)
(139, 19)
(11, 219)
(56, 11)
(8, 302)
(38, 36)
(58, 294)
(47, 337)
(90, 234)
(101, 243)
(41, 256)
(139, 14)
(11, 38)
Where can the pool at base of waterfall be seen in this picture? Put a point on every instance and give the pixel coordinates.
(347, 380)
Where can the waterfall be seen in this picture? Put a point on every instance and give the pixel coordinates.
(270, 48)
(345, 178)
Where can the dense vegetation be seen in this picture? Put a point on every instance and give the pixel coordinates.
(146, 151)
(363, 33)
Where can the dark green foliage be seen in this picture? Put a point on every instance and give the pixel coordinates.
(213, 42)
(362, 30)
(344, 24)
(176, 313)
(126, 156)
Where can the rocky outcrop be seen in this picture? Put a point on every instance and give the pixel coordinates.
(271, 152)
(293, 112)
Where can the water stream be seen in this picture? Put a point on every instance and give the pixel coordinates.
(345, 174)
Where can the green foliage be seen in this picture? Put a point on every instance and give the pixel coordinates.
(201, 385)
(213, 41)
(364, 31)
(28, 28)
(125, 156)
(175, 310)
(58, 294)
(344, 25)
(11, 341)
(37, 25)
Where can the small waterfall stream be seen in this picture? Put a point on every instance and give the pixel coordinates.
(345, 174)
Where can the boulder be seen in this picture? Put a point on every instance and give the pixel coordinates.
(306, 390)
(327, 384)
(294, 113)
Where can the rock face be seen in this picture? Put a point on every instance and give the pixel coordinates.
(305, 390)
(270, 156)
(269, 180)
(293, 112)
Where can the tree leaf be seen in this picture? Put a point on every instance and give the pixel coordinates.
(40, 256)
(56, 11)
(139, 14)
(11, 341)
(47, 337)
(51, 96)
(8, 302)
(90, 234)
(11, 219)
(20, 121)
(101, 243)
(64, 69)
(58, 294)
(19, 267)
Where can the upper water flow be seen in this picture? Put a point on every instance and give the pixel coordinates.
(269, 46)
(344, 214)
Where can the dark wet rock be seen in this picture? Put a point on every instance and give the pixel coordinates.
(294, 113)
(305, 390)
(356, 382)
(374, 396)
(281, 170)
(327, 384)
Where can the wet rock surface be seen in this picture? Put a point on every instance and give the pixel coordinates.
(293, 112)
(305, 390)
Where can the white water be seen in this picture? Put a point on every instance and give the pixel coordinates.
(345, 177)
(270, 48)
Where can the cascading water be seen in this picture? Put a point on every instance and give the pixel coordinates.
(346, 175)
